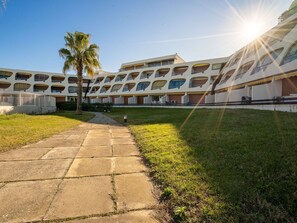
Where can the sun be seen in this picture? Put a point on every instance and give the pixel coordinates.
(251, 29)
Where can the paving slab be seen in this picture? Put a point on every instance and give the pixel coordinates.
(99, 131)
(146, 216)
(24, 154)
(120, 130)
(128, 165)
(26, 201)
(102, 141)
(134, 191)
(89, 167)
(125, 150)
(43, 144)
(30, 170)
(76, 137)
(61, 153)
(69, 143)
(121, 135)
(122, 140)
(94, 152)
(82, 197)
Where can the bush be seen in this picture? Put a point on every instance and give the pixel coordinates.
(96, 107)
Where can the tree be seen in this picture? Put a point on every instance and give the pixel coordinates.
(81, 56)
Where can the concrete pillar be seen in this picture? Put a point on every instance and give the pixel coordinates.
(147, 100)
(132, 100)
(119, 100)
(185, 99)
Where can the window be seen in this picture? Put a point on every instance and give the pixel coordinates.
(128, 87)
(72, 89)
(243, 69)
(216, 66)
(199, 68)
(280, 33)
(227, 76)
(5, 74)
(21, 87)
(176, 83)
(291, 55)
(198, 81)
(142, 86)
(266, 61)
(158, 85)
(116, 87)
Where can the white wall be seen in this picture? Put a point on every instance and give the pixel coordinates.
(267, 91)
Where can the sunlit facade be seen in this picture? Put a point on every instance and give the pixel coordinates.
(263, 71)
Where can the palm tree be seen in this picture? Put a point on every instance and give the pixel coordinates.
(81, 56)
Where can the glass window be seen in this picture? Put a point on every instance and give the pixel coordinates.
(216, 66)
(142, 86)
(243, 69)
(267, 60)
(291, 55)
(227, 76)
(177, 83)
(158, 84)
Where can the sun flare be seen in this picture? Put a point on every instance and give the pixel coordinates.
(252, 29)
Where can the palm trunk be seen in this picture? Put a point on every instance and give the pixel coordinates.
(79, 91)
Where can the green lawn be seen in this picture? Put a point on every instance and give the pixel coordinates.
(220, 166)
(19, 129)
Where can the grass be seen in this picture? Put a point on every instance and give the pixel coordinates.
(220, 166)
(19, 129)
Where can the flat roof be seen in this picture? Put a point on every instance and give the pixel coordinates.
(155, 59)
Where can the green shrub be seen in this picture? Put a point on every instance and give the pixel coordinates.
(96, 107)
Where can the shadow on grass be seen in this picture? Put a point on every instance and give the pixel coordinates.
(225, 166)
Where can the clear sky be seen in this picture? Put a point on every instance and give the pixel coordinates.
(32, 31)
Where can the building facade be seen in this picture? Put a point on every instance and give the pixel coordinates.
(263, 71)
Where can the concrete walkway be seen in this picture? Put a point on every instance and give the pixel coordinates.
(91, 173)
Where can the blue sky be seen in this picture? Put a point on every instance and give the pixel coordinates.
(32, 31)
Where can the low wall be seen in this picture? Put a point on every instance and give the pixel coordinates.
(270, 107)
(26, 109)
(27, 103)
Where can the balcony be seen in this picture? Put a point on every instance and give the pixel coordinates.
(179, 70)
(198, 82)
(199, 68)
(146, 74)
(72, 89)
(94, 90)
(4, 85)
(105, 88)
(108, 79)
(22, 76)
(176, 83)
(227, 76)
(99, 80)
(120, 77)
(142, 86)
(162, 72)
(72, 80)
(21, 87)
(116, 87)
(57, 89)
(158, 85)
(40, 87)
(128, 87)
(5, 74)
(58, 79)
(244, 69)
(133, 76)
(40, 77)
